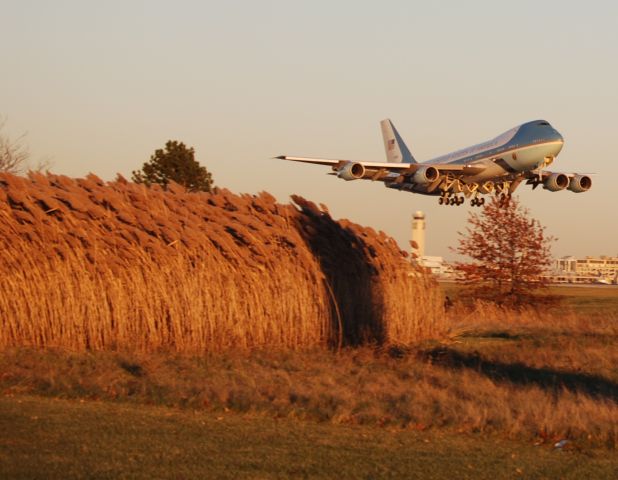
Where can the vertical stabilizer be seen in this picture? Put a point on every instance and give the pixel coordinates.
(396, 149)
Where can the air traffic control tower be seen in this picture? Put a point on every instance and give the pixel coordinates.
(418, 234)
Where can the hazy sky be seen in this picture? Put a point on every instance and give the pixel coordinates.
(98, 86)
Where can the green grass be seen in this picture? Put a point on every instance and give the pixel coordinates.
(50, 438)
(588, 300)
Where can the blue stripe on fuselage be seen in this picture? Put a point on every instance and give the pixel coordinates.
(527, 134)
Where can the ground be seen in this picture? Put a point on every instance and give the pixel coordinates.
(505, 395)
(51, 438)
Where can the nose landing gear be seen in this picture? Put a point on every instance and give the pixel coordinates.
(477, 202)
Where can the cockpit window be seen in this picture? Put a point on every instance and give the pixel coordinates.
(543, 123)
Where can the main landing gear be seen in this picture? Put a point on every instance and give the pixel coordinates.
(449, 199)
(451, 187)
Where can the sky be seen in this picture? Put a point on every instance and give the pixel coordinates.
(98, 86)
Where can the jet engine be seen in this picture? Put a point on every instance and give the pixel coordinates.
(351, 171)
(425, 175)
(580, 183)
(556, 182)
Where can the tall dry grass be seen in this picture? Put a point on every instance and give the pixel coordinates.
(87, 264)
(353, 386)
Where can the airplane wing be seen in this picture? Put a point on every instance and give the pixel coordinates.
(393, 167)
(556, 181)
(546, 173)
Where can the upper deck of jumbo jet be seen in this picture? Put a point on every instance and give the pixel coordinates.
(526, 134)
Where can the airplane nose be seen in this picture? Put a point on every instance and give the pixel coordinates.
(559, 137)
(560, 142)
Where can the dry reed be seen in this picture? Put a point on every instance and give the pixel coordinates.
(87, 264)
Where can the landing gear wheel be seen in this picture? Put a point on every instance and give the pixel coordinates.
(440, 201)
(481, 201)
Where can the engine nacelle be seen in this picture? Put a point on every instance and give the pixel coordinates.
(580, 183)
(351, 171)
(556, 182)
(425, 175)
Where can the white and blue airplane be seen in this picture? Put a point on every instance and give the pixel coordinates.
(496, 166)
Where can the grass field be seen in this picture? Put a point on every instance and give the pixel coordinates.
(584, 299)
(47, 438)
(527, 375)
(597, 300)
(488, 401)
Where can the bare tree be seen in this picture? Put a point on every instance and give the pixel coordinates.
(510, 252)
(14, 154)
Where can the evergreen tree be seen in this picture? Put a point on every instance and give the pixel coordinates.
(176, 163)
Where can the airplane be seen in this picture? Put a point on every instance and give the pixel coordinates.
(497, 166)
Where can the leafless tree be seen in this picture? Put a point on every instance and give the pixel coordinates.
(14, 154)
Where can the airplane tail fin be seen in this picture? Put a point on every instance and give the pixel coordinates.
(395, 147)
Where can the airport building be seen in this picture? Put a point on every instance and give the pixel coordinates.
(601, 269)
(568, 269)
(437, 266)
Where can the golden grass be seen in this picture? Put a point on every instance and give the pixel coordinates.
(94, 265)
(576, 347)
(542, 376)
(555, 319)
(415, 390)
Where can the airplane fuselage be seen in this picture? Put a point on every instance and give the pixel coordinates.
(523, 148)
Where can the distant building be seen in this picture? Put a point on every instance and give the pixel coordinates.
(435, 265)
(585, 270)
(569, 269)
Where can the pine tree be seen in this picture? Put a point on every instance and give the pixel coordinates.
(510, 252)
(176, 163)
